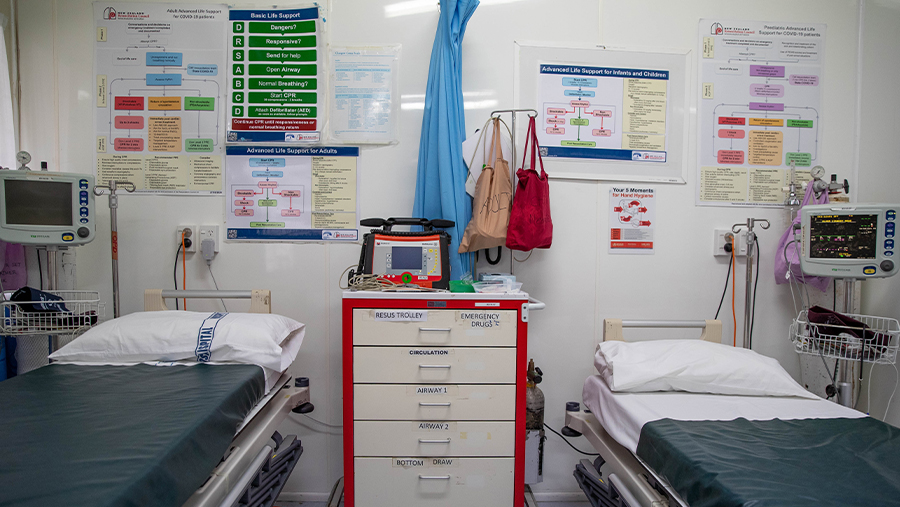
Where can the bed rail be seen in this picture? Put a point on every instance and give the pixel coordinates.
(712, 329)
(260, 300)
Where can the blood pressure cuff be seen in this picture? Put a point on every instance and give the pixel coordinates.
(829, 324)
(32, 300)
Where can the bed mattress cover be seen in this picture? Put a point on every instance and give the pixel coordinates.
(136, 435)
(717, 450)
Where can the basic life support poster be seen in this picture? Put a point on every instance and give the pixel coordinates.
(275, 71)
(160, 81)
(292, 193)
(760, 109)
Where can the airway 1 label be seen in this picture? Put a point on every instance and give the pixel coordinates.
(401, 315)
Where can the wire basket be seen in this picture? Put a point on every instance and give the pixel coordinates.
(77, 311)
(876, 342)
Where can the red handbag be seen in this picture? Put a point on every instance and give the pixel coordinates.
(530, 225)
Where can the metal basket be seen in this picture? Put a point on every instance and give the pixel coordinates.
(877, 342)
(79, 310)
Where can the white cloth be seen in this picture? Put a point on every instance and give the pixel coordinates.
(623, 415)
(475, 153)
(7, 127)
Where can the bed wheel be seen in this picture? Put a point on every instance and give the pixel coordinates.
(304, 409)
(569, 432)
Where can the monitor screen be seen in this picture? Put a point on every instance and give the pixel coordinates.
(843, 236)
(30, 202)
(406, 257)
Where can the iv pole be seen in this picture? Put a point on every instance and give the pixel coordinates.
(748, 286)
(114, 231)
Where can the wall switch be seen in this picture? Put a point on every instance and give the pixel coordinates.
(190, 232)
(209, 232)
(722, 237)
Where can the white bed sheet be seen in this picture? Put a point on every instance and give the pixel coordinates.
(623, 415)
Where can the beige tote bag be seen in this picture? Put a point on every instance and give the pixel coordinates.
(492, 202)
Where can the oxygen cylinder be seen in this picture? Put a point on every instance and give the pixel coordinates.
(534, 426)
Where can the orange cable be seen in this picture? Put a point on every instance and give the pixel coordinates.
(183, 269)
(733, 313)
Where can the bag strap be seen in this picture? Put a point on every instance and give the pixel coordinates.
(527, 142)
(535, 150)
(498, 151)
(480, 137)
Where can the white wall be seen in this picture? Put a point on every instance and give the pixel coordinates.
(580, 282)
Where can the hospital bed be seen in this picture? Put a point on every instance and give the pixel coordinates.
(200, 436)
(679, 448)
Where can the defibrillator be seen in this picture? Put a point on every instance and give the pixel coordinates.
(408, 257)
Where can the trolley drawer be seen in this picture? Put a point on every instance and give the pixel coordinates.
(406, 365)
(433, 438)
(434, 402)
(469, 328)
(433, 482)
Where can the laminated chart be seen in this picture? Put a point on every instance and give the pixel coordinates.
(159, 88)
(603, 113)
(277, 193)
(759, 109)
(275, 65)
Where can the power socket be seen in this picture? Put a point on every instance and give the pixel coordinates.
(209, 232)
(721, 238)
(191, 233)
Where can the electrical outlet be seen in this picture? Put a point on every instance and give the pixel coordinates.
(191, 232)
(722, 237)
(209, 232)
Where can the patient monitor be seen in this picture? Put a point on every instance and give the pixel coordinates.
(46, 209)
(849, 240)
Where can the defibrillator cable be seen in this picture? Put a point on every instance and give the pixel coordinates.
(725, 289)
(733, 312)
(570, 443)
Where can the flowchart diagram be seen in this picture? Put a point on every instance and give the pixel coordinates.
(160, 88)
(603, 113)
(283, 206)
(759, 109)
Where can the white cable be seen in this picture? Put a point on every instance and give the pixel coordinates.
(340, 426)
(893, 392)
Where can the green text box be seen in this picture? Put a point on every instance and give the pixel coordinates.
(282, 41)
(803, 124)
(198, 145)
(267, 224)
(283, 27)
(282, 97)
(267, 203)
(799, 159)
(580, 144)
(199, 103)
(282, 55)
(584, 122)
(283, 83)
(272, 69)
(281, 112)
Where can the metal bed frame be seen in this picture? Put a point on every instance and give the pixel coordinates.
(631, 482)
(259, 461)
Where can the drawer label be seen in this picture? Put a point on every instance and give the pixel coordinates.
(400, 315)
(433, 426)
(416, 390)
(480, 320)
(430, 352)
(425, 462)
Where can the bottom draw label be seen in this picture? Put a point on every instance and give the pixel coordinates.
(425, 462)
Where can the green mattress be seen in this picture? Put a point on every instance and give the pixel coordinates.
(138, 435)
(795, 463)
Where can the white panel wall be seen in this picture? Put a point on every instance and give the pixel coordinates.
(578, 279)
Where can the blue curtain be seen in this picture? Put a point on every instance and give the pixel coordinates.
(441, 177)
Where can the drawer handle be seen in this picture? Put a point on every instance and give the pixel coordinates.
(445, 366)
(435, 329)
(426, 441)
(435, 477)
(434, 404)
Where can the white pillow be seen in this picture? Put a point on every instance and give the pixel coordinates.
(695, 366)
(270, 341)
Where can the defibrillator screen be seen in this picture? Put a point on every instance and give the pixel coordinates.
(843, 236)
(406, 257)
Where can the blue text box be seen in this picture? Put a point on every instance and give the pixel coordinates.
(163, 59)
(267, 174)
(580, 81)
(267, 162)
(164, 79)
(196, 69)
(579, 93)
